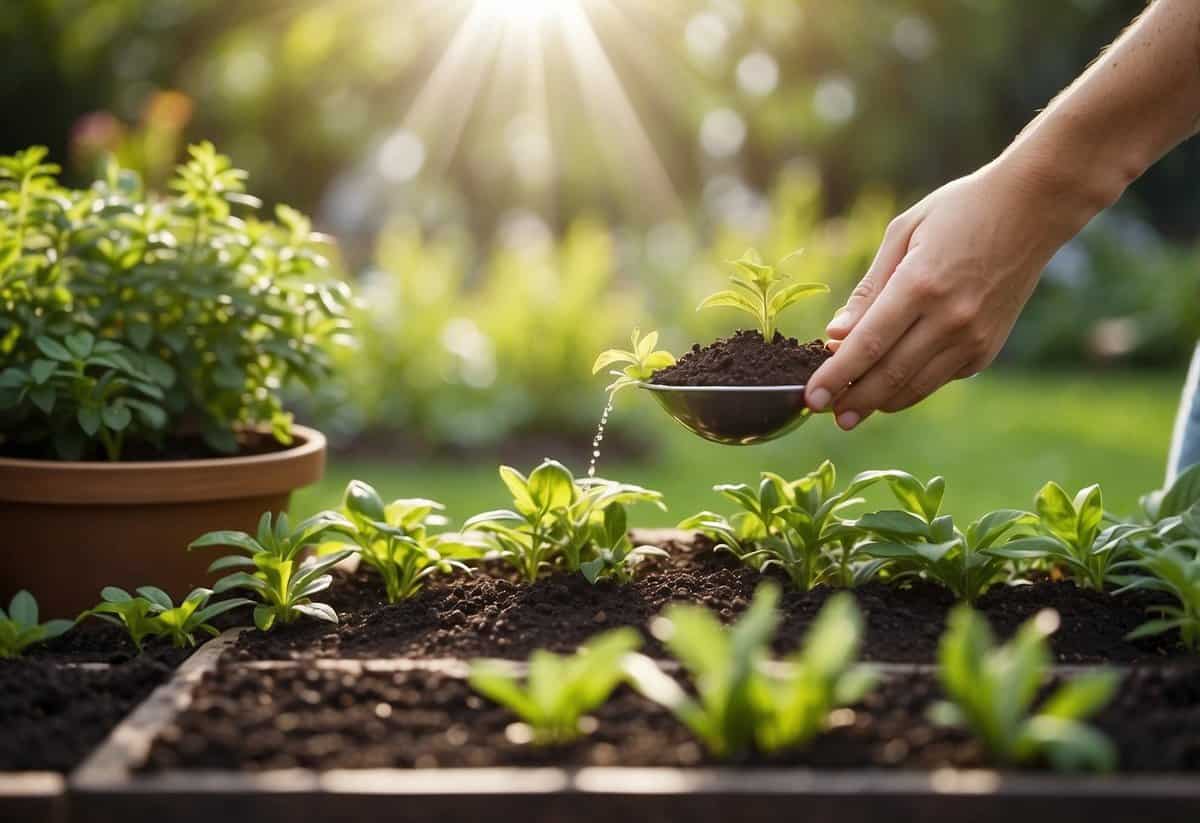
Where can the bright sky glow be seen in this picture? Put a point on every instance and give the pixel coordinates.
(511, 40)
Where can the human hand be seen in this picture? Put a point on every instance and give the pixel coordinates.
(943, 293)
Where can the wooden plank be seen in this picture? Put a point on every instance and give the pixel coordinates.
(130, 741)
(32, 797)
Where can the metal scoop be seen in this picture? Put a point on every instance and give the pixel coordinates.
(734, 415)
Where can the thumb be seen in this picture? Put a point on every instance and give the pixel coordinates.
(891, 251)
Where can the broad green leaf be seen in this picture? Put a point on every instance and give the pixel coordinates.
(54, 350)
(42, 370)
(44, 397)
(794, 292)
(1056, 511)
(228, 539)
(89, 420)
(362, 499)
(1183, 494)
(1082, 696)
(156, 596)
(116, 417)
(23, 609)
(518, 487)
(80, 344)
(551, 486)
(732, 300)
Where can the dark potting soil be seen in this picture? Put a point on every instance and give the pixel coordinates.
(181, 447)
(745, 359)
(324, 719)
(485, 616)
(98, 642)
(52, 715)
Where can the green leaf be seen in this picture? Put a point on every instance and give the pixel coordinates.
(140, 334)
(1082, 696)
(264, 618)
(44, 397)
(732, 300)
(23, 609)
(1056, 511)
(317, 611)
(89, 420)
(54, 350)
(42, 370)
(1183, 494)
(117, 416)
(794, 292)
(362, 499)
(79, 344)
(551, 486)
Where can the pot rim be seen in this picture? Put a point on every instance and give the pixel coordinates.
(58, 482)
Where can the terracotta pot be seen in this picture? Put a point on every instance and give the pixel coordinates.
(69, 529)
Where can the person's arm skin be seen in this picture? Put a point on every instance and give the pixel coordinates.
(955, 270)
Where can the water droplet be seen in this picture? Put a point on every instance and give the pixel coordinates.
(599, 438)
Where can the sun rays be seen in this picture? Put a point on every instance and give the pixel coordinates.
(504, 58)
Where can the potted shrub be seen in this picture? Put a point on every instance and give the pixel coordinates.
(145, 342)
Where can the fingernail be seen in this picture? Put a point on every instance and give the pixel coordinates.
(848, 420)
(818, 399)
(840, 320)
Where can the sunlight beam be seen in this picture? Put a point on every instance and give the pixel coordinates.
(613, 114)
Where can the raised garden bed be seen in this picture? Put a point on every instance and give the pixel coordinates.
(366, 739)
(486, 616)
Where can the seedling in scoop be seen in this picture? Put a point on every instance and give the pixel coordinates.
(642, 358)
(761, 291)
(554, 697)
(20, 629)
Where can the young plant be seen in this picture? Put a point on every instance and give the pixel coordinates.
(19, 626)
(1069, 534)
(794, 526)
(134, 614)
(741, 704)
(616, 556)
(761, 291)
(283, 584)
(555, 696)
(992, 690)
(1175, 570)
(642, 358)
(395, 539)
(181, 623)
(131, 317)
(553, 517)
(939, 551)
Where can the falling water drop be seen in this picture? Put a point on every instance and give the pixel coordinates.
(599, 438)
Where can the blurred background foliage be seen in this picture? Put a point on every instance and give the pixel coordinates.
(517, 183)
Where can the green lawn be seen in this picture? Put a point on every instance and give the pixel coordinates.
(995, 438)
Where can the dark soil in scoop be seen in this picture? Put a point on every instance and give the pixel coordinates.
(486, 616)
(307, 718)
(745, 359)
(52, 715)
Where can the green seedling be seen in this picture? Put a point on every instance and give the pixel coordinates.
(761, 291)
(992, 690)
(642, 360)
(1175, 570)
(1070, 535)
(741, 703)
(558, 691)
(283, 583)
(796, 527)
(20, 629)
(181, 623)
(616, 556)
(397, 542)
(554, 517)
(134, 614)
(939, 551)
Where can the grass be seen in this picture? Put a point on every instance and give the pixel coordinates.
(996, 438)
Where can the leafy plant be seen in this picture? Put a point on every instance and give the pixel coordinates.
(20, 629)
(283, 584)
(643, 359)
(740, 703)
(761, 291)
(795, 526)
(130, 318)
(134, 614)
(181, 623)
(615, 555)
(938, 550)
(1175, 570)
(394, 539)
(558, 691)
(992, 690)
(1070, 534)
(554, 518)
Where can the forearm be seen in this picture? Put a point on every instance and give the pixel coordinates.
(1134, 104)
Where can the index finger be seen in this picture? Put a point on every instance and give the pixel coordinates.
(884, 323)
